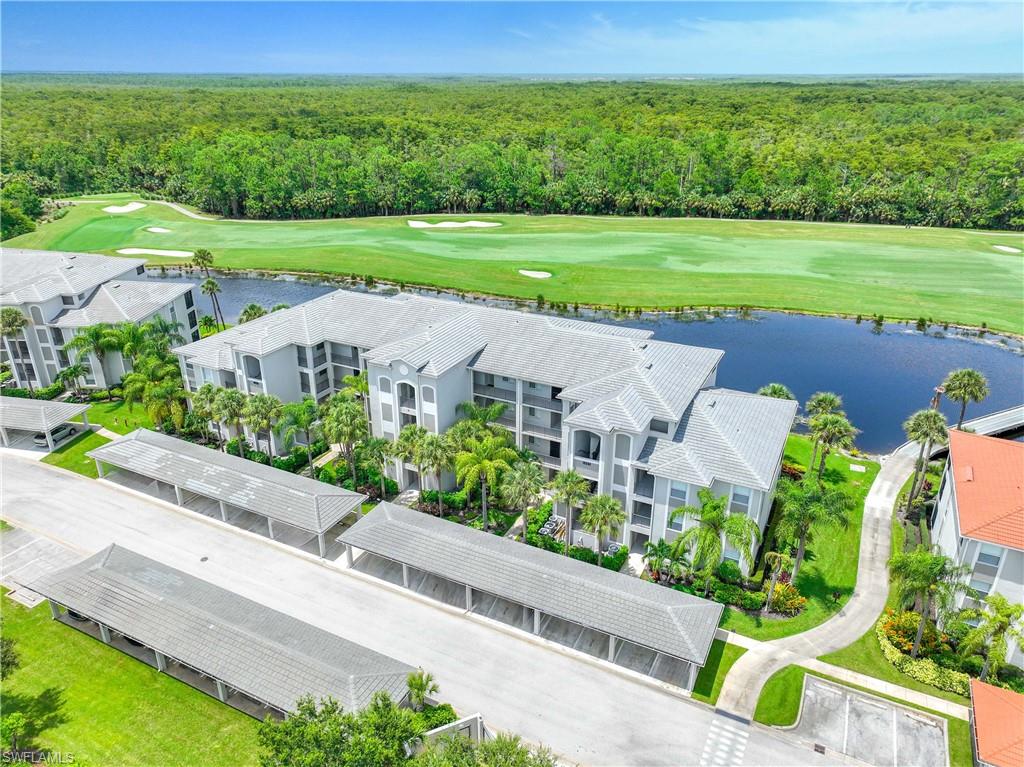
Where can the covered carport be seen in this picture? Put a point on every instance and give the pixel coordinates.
(224, 486)
(648, 628)
(251, 657)
(21, 418)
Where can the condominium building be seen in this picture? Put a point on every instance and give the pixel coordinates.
(60, 293)
(643, 420)
(978, 520)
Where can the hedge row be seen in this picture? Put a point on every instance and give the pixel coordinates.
(923, 669)
(50, 392)
(542, 514)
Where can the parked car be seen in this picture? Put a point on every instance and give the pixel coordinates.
(59, 434)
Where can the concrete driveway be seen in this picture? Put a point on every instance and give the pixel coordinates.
(872, 730)
(578, 707)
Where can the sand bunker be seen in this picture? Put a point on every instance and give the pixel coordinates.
(1006, 249)
(157, 229)
(155, 252)
(535, 275)
(453, 225)
(128, 208)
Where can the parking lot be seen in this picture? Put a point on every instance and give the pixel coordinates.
(873, 730)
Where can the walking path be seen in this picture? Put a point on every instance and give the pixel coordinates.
(742, 686)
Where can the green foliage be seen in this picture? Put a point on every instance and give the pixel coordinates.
(13, 221)
(456, 500)
(729, 571)
(298, 458)
(435, 716)
(922, 669)
(50, 392)
(615, 561)
(930, 153)
(787, 600)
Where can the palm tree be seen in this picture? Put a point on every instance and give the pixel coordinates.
(208, 324)
(279, 307)
(406, 446)
(228, 407)
(211, 288)
(130, 339)
(251, 312)
(421, 686)
(435, 454)
(999, 623)
(73, 374)
(376, 452)
(821, 403)
(301, 418)
(92, 339)
(929, 579)
(12, 322)
(925, 427)
(484, 415)
(483, 461)
(261, 413)
(345, 425)
(163, 333)
(156, 383)
(963, 386)
(521, 486)
(570, 488)
(202, 259)
(359, 384)
(808, 504)
(715, 524)
(203, 400)
(831, 431)
(602, 515)
(656, 556)
(776, 391)
(461, 432)
(776, 561)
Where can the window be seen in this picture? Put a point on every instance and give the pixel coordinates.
(67, 300)
(304, 383)
(140, 270)
(188, 298)
(982, 587)
(622, 447)
(428, 393)
(531, 411)
(429, 422)
(174, 314)
(47, 353)
(301, 356)
(740, 503)
(659, 426)
(58, 336)
(990, 555)
(531, 385)
(42, 335)
(37, 315)
(62, 357)
(619, 475)
(386, 412)
(192, 319)
(678, 495)
(384, 384)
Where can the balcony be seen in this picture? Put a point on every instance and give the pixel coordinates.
(407, 403)
(548, 432)
(509, 422)
(546, 403)
(493, 392)
(641, 516)
(588, 467)
(342, 359)
(643, 485)
(551, 461)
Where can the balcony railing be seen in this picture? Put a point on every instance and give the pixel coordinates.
(547, 403)
(589, 468)
(409, 403)
(644, 487)
(493, 392)
(542, 431)
(507, 421)
(555, 462)
(640, 519)
(342, 359)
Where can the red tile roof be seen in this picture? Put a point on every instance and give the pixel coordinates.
(998, 724)
(988, 474)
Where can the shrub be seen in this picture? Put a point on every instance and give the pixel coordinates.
(793, 470)
(616, 560)
(922, 669)
(50, 392)
(972, 665)
(46, 393)
(787, 600)
(729, 571)
(328, 475)
(684, 588)
(452, 500)
(437, 716)
(258, 456)
(727, 594)
(16, 392)
(752, 600)
(583, 554)
(901, 630)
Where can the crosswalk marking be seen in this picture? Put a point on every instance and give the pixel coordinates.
(725, 744)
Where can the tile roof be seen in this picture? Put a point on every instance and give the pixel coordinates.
(656, 617)
(36, 414)
(998, 724)
(724, 434)
(32, 276)
(988, 475)
(280, 495)
(261, 652)
(122, 301)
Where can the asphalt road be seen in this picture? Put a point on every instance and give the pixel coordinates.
(585, 713)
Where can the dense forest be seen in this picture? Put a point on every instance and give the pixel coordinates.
(928, 152)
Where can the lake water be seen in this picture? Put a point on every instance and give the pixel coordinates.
(882, 376)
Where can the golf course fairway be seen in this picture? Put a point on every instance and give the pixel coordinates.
(945, 275)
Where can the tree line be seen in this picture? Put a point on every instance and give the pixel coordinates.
(937, 153)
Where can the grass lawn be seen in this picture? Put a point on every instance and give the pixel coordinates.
(709, 680)
(830, 563)
(779, 705)
(651, 262)
(72, 455)
(84, 698)
(117, 416)
(865, 655)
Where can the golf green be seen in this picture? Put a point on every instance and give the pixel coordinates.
(947, 275)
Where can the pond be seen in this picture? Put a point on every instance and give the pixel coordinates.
(883, 373)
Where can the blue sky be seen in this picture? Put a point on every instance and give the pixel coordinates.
(512, 38)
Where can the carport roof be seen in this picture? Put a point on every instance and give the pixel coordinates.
(283, 497)
(264, 653)
(36, 414)
(653, 616)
